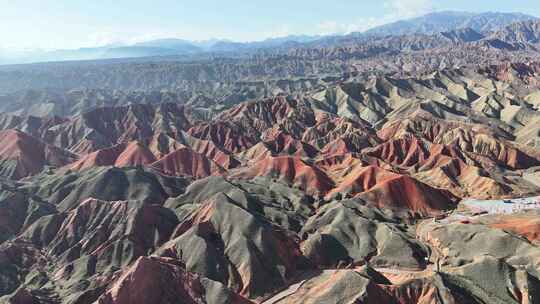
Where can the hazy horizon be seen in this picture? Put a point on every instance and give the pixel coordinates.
(50, 25)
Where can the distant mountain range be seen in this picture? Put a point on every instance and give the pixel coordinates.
(521, 32)
(449, 20)
(460, 26)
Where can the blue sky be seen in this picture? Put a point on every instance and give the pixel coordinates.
(53, 24)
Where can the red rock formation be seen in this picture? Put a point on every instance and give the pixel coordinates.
(97, 227)
(224, 135)
(104, 157)
(351, 136)
(407, 152)
(441, 166)
(29, 154)
(406, 193)
(108, 126)
(186, 162)
(270, 110)
(291, 170)
(431, 128)
(527, 225)
(162, 144)
(259, 116)
(338, 161)
(159, 147)
(32, 125)
(278, 143)
(135, 154)
(122, 155)
(161, 281)
(411, 292)
(282, 143)
(509, 72)
(390, 190)
(475, 138)
(210, 150)
(339, 146)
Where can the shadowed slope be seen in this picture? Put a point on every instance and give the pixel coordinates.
(67, 190)
(22, 155)
(161, 281)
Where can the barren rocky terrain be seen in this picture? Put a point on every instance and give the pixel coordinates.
(325, 174)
